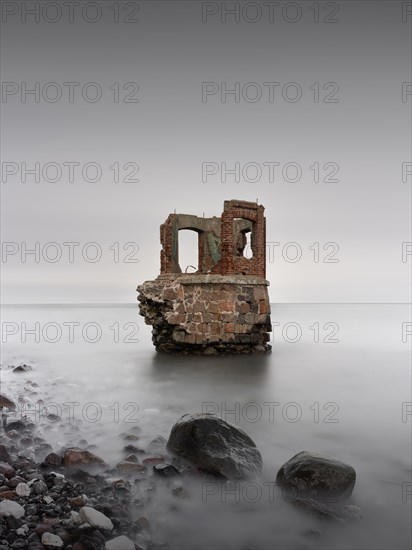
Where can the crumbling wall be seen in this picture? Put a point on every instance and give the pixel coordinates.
(223, 307)
(207, 314)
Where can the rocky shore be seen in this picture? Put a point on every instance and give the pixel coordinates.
(71, 498)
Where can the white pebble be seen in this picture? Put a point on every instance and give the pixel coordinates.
(120, 543)
(23, 490)
(95, 518)
(11, 508)
(49, 539)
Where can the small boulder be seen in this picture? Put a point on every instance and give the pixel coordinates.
(214, 445)
(311, 475)
(75, 457)
(95, 519)
(165, 470)
(52, 459)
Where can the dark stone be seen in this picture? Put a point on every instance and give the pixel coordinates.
(75, 457)
(22, 368)
(165, 470)
(7, 470)
(310, 475)
(214, 445)
(53, 459)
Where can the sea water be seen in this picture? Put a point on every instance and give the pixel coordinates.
(338, 381)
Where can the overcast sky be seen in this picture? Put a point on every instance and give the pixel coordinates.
(305, 104)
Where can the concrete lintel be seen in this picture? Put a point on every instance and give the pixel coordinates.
(221, 279)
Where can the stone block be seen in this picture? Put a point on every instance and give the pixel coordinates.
(199, 307)
(228, 327)
(250, 318)
(213, 307)
(169, 294)
(215, 327)
(227, 317)
(244, 308)
(179, 336)
(176, 319)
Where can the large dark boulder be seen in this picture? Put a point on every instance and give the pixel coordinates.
(213, 445)
(311, 475)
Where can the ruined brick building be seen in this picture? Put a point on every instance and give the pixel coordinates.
(223, 307)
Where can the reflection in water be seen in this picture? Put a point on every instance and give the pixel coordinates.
(342, 398)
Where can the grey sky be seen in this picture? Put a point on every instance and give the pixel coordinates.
(360, 61)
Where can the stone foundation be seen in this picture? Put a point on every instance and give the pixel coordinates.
(207, 314)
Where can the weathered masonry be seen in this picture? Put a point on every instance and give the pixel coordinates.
(224, 306)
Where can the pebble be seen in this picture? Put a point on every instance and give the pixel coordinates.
(11, 508)
(120, 543)
(95, 518)
(23, 490)
(49, 539)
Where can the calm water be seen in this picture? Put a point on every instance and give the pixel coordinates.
(338, 381)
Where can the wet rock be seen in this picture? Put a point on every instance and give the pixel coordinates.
(120, 543)
(132, 449)
(53, 459)
(316, 508)
(95, 519)
(10, 508)
(23, 530)
(157, 444)
(77, 501)
(131, 458)
(18, 544)
(7, 402)
(22, 368)
(153, 460)
(14, 481)
(126, 467)
(24, 464)
(49, 540)
(142, 525)
(4, 454)
(214, 445)
(9, 495)
(7, 470)
(39, 487)
(130, 437)
(316, 476)
(75, 456)
(165, 470)
(14, 425)
(26, 441)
